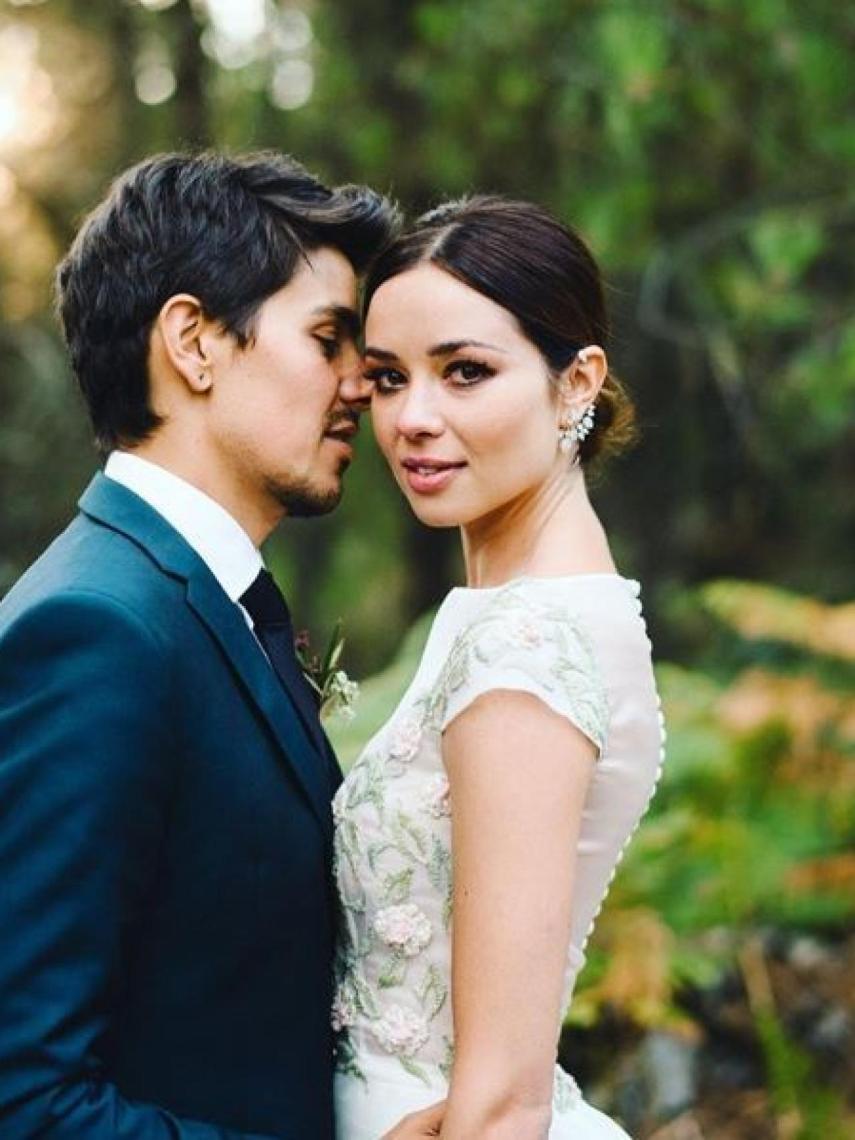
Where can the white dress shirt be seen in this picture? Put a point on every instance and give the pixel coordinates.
(217, 537)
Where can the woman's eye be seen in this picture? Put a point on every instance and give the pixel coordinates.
(385, 379)
(466, 372)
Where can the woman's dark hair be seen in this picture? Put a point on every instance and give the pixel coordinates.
(541, 271)
(230, 231)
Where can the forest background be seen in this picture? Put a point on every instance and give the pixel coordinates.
(706, 149)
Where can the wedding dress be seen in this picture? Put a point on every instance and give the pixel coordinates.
(579, 644)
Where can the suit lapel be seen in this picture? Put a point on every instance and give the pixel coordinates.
(120, 509)
(226, 623)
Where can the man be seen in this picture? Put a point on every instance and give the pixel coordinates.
(166, 910)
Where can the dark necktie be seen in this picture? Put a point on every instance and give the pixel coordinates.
(271, 620)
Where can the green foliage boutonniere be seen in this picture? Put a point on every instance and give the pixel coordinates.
(335, 692)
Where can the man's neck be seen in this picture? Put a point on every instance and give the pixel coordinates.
(190, 464)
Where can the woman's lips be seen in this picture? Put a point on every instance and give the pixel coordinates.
(427, 476)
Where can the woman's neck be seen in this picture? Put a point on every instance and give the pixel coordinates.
(546, 533)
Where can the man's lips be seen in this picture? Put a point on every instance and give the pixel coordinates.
(425, 474)
(344, 430)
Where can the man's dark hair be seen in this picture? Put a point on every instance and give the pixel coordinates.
(229, 231)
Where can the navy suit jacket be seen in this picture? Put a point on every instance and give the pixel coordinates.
(166, 911)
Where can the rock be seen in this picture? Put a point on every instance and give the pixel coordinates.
(807, 954)
(831, 1033)
(669, 1065)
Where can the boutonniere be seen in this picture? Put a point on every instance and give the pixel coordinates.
(335, 692)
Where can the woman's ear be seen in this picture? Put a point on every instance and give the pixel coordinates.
(184, 330)
(582, 379)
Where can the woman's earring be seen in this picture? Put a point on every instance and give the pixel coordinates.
(585, 423)
(580, 427)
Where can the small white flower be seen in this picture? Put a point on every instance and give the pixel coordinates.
(405, 928)
(438, 796)
(406, 738)
(342, 695)
(343, 1012)
(401, 1031)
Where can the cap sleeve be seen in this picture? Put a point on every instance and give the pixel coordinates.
(529, 645)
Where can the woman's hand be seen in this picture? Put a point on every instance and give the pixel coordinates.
(418, 1125)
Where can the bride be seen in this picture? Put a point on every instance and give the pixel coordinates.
(478, 832)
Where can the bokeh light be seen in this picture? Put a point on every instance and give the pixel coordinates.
(236, 35)
(292, 84)
(154, 79)
(28, 105)
(292, 31)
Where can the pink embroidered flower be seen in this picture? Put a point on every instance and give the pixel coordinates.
(438, 795)
(343, 1012)
(526, 633)
(405, 928)
(401, 1031)
(405, 739)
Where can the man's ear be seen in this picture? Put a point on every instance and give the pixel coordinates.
(582, 379)
(184, 331)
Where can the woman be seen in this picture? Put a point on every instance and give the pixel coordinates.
(478, 832)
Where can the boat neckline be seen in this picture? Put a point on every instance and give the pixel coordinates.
(605, 574)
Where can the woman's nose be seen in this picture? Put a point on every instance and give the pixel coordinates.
(418, 412)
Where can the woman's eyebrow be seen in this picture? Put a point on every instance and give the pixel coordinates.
(380, 353)
(449, 347)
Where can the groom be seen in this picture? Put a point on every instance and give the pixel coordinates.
(166, 909)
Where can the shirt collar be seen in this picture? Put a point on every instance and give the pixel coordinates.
(217, 537)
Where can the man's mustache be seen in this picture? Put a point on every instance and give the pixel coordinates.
(344, 422)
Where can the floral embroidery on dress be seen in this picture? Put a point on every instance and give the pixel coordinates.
(401, 1031)
(404, 928)
(437, 796)
(406, 738)
(502, 640)
(393, 829)
(343, 1013)
(525, 632)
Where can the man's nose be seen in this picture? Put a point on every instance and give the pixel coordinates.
(353, 388)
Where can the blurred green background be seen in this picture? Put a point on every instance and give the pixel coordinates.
(706, 149)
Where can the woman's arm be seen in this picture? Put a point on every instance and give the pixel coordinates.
(519, 773)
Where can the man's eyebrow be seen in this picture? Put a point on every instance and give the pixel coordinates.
(380, 353)
(345, 317)
(449, 347)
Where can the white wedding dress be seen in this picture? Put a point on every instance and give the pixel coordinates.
(578, 643)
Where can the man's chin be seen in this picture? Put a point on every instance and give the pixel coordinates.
(307, 500)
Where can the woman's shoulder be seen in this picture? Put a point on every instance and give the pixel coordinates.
(521, 637)
(585, 600)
